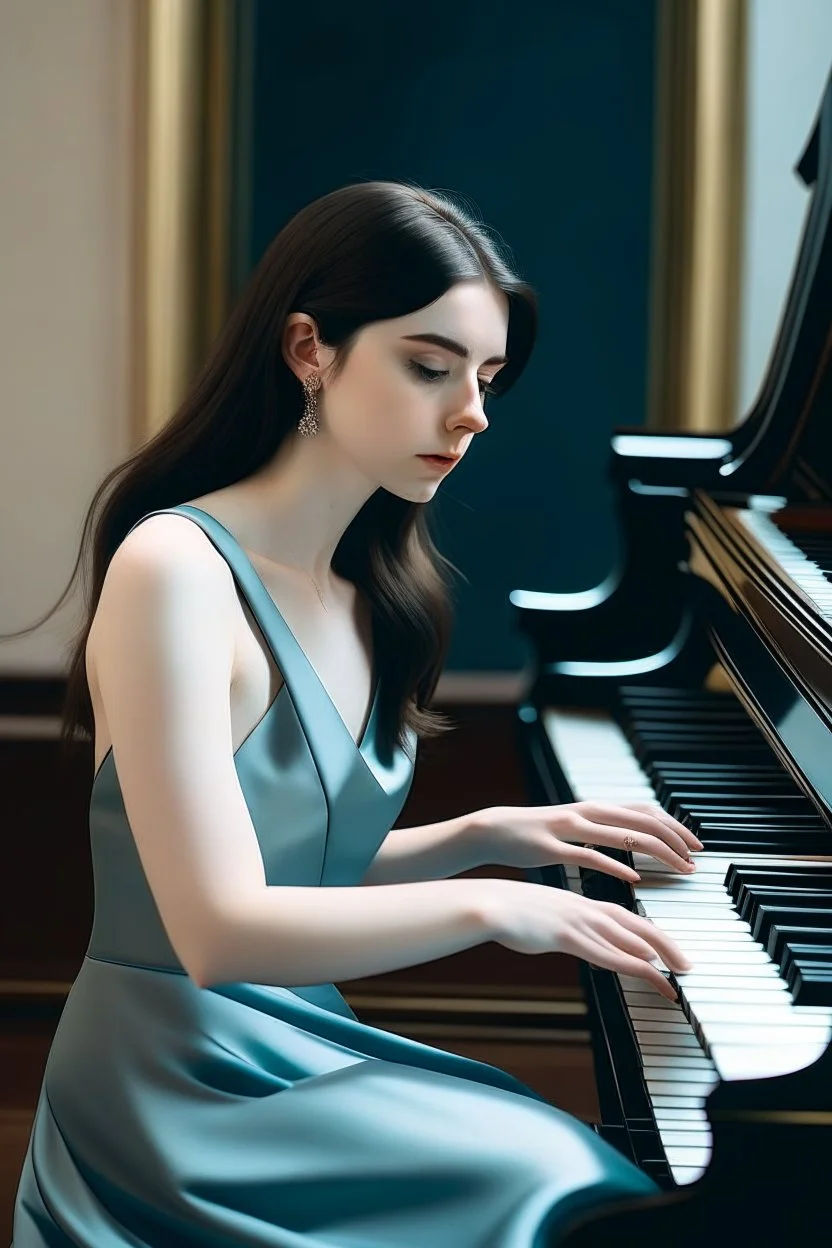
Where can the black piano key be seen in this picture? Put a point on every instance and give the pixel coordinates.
(754, 902)
(689, 767)
(749, 803)
(815, 546)
(819, 844)
(728, 771)
(745, 886)
(728, 842)
(768, 916)
(799, 956)
(714, 790)
(737, 873)
(781, 936)
(727, 838)
(819, 949)
(705, 753)
(810, 983)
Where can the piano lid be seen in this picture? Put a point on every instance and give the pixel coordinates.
(785, 432)
(769, 618)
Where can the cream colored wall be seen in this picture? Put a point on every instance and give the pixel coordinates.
(66, 157)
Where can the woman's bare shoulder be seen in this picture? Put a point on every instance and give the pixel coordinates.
(174, 545)
(171, 550)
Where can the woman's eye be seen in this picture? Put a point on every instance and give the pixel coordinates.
(427, 374)
(432, 374)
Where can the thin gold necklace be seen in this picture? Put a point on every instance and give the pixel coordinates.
(291, 566)
(315, 583)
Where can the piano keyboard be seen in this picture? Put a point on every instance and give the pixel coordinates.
(735, 1017)
(803, 571)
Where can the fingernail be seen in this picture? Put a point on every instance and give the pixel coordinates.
(689, 866)
(699, 844)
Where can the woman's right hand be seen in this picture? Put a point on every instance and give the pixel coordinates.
(534, 918)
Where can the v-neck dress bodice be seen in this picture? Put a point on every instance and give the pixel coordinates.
(321, 805)
(270, 1115)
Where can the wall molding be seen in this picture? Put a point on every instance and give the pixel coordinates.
(698, 214)
(19, 698)
(185, 55)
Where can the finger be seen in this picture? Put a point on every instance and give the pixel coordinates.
(584, 856)
(664, 945)
(624, 937)
(643, 820)
(600, 953)
(645, 843)
(691, 840)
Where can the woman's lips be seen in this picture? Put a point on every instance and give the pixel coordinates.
(440, 462)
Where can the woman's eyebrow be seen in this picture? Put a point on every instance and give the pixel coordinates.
(440, 340)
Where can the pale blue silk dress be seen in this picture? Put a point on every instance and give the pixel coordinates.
(249, 1114)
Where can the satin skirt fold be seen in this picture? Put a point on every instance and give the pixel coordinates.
(252, 1115)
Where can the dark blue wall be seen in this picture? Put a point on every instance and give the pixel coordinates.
(541, 114)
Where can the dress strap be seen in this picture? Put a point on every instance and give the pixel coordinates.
(319, 717)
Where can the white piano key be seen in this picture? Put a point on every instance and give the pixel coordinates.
(661, 910)
(706, 995)
(651, 1030)
(637, 998)
(783, 1037)
(659, 1041)
(673, 1087)
(681, 1075)
(674, 1103)
(658, 890)
(739, 931)
(802, 572)
(696, 1118)
(738, 1014)
(719, 969)
(735, 1061)
(702, 954)
(694, 1158)
(687, 1174)
(700, 1139)
(676, 1061)
(656, 1014)
(680, 1047)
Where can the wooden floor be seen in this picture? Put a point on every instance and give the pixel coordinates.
(523, 1014)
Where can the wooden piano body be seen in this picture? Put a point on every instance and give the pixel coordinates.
(725, 1098)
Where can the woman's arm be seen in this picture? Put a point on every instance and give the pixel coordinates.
(286, 936)
(432, 851)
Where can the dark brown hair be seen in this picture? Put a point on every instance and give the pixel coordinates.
(370, 251)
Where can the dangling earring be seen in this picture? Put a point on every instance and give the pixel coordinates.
(308, 425)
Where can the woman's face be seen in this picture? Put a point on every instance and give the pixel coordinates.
(399, 398)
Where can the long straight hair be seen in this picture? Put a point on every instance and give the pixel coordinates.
(370, 251)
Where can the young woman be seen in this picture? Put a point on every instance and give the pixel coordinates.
(268, 620)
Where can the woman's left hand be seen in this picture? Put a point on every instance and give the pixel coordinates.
(540, 836)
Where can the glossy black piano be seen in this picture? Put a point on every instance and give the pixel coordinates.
(699, 677)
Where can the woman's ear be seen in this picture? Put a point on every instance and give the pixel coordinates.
(300, 344)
